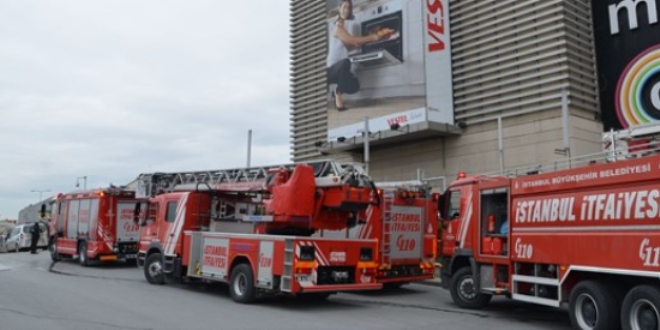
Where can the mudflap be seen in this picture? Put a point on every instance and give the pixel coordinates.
(445, 273)
(173, 269)
(140, 260)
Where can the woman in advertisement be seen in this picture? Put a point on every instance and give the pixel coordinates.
(340, 42)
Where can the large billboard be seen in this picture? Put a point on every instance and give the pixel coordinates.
(387, 60)
(627, 36)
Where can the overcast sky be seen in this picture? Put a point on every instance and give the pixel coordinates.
(111, 89)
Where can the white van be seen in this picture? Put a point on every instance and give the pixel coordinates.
(20, 237)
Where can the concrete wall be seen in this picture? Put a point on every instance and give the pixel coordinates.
(528, 140)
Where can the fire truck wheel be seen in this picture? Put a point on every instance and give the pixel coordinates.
(241, 286)
(594, 306)
(464, 293)
(641, 308)
(52, 247)
(83, 260)
(153, 269)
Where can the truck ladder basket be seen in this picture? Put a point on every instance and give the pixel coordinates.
(289, 246)
(149, 184)
(388, 200)
(542, 281)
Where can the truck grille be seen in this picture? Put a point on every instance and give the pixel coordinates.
(128, 248)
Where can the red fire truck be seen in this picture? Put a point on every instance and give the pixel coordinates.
(94, 226)
(252, 228)
(587, 238)
(405, 223)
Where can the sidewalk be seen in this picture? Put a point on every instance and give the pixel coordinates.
(433, 282)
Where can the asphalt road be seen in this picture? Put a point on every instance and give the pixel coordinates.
(34, 294)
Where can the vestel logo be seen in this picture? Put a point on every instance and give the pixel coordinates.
(436, 25)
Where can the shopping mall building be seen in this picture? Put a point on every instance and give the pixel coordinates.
(468, 85)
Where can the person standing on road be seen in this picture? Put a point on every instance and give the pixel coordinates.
(36, 233)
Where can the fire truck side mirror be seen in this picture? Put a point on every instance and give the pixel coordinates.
(441, 205)
(136, 212)
(42, 212)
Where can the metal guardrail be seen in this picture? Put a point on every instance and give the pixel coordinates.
(612, 153)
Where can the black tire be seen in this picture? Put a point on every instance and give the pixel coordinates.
(593, 305)
(463, 290)
(52, 247)
(153, 269)
(241, 284)
(83, 260)
(641, 308)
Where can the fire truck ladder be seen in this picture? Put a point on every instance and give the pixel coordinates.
(631, 142)
(285, 283)
(242, 179)
(388, 200)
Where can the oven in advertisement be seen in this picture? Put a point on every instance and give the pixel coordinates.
(379, 61)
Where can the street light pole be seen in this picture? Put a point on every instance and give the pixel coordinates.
(367, 137)
(84, 182)
(249, 148)
(40, 193)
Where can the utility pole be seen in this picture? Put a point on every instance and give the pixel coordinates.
(249, 147)
(40, 193)
(367, 137)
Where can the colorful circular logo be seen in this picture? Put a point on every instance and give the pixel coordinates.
(638, 90)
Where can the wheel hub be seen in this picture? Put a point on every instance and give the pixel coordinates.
(644, 315)
(587, 312)
(155, 269)
(467, 288)
(240, 285)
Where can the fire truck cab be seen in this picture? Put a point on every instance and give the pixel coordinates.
(586, 238)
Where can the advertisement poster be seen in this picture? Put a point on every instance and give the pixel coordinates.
(627, 37)
(388, 60)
